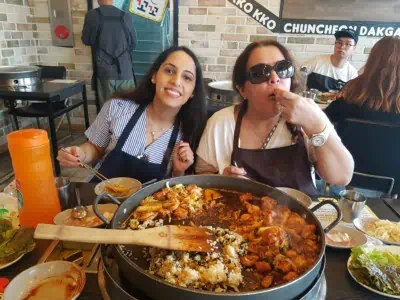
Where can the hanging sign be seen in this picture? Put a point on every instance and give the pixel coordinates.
(259, 13)
(150, 9)
(313, 26)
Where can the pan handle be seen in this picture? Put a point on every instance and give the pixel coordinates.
(97, 202)
(338, 211)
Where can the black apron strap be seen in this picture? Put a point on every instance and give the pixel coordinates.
(171, 144)
(242, 111)
(131, 124)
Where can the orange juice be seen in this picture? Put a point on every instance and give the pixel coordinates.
(36, 190)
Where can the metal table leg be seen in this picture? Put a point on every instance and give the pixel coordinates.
(11, 105)
(85, 106)
(53, 137)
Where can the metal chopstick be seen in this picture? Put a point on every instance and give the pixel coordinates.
(95, 172)
(248, 177)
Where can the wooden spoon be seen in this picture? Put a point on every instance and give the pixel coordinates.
(170, 237)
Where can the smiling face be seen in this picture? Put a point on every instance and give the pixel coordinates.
(262, 95)
(175, 80)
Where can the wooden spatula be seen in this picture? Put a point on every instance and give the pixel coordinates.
(168, 237)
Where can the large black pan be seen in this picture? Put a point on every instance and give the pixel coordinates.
(158, 289)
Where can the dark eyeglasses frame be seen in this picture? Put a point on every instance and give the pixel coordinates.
(283, 73)
(345, 45)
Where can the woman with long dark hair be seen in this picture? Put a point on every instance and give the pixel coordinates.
(375, 94)
(152, 131)
(275, 136)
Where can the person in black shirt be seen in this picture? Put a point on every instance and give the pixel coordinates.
(110, 33)
(375, 94)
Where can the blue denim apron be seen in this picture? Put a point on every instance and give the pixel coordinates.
(120, 164)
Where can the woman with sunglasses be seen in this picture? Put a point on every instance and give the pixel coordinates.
(275, 136)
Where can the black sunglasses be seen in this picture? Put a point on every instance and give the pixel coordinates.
(262, 72)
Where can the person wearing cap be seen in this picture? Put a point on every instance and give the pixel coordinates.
(331, 72)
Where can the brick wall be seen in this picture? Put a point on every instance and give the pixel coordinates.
(17, 46)
(17, 30)
(77, 60)
(25, 40)
(217, 31)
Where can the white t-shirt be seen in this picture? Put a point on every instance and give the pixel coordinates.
(322, 75)
(216, 144)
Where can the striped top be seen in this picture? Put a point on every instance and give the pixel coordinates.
(109, 125)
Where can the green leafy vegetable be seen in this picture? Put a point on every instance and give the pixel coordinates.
(3, 211)
(377, 269)
(5, 225)
(15, 243)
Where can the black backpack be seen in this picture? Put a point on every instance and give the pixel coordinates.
(114, 59)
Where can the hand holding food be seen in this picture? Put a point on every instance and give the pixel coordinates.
(235, 172)
(72, 157)
(183, 158)
(301, 111)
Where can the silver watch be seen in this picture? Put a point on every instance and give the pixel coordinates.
(319, 139)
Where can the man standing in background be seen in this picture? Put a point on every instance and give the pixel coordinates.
(110, 33)
(331, 72)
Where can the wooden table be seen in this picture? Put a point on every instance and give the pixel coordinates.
(340, 284)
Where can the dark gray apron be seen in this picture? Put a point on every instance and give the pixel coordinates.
(279, 167)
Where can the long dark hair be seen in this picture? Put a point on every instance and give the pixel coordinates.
(192, 114)
(378, 87)
(240, 68)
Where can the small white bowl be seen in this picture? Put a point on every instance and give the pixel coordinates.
(32, 278)
(131, 184)
(299, 196)
(63, 217)
(357, 238)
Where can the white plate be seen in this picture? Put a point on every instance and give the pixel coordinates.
(132, 184)
(362, 225)
(3, 266)
(357, 238)
(299, 196)
(392, 249)
(31, 278)
(61, 217)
